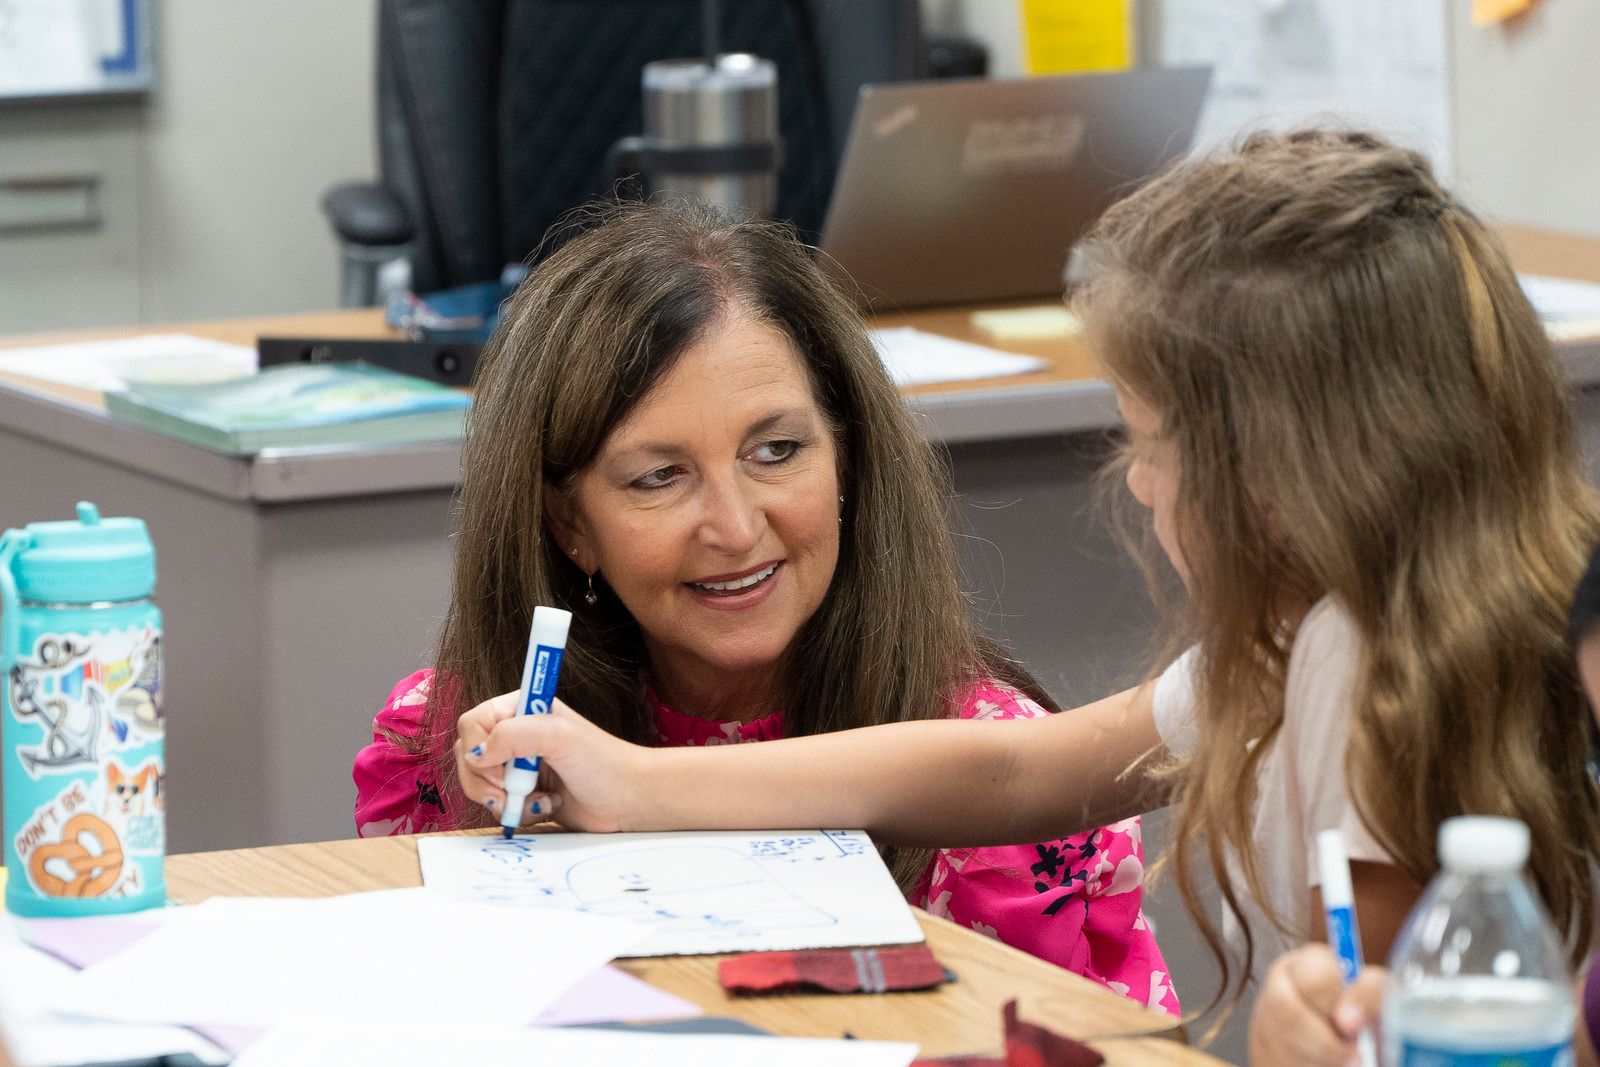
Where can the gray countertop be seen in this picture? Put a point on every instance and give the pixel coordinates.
(276, 476)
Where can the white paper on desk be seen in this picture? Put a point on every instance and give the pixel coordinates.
(345, 1042)
(393, 955)
(32, 987)
(108, 366)
(1561, 299)
(606, 995)
(721, 891)
(916, 357)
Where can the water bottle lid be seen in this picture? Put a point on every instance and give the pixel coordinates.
(731, 72)
(85, 560)
(1480, 844)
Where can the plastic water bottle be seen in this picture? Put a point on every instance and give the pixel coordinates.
(1479, 979)
(80, 705)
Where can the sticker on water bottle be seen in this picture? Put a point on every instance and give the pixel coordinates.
(1413, 1054)
(87, 695)
(82, 845)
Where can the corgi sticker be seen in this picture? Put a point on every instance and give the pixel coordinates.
(134, 806)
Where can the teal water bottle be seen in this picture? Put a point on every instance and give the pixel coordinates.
(80, 648)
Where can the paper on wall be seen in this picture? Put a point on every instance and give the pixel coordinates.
(1370, 63)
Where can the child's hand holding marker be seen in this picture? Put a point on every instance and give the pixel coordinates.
(1307, 1015)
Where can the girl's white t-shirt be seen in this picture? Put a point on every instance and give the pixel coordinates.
(1301, 788)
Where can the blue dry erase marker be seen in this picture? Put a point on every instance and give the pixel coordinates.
(1339, 902)
(540, 672)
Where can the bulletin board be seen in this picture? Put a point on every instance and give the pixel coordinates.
(71, 49)
(1380, 64)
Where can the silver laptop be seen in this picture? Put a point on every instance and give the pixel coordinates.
(974, 190)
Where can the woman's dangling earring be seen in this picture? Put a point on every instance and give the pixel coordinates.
(591, 598)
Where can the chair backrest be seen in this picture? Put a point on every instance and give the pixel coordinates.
(495, 116)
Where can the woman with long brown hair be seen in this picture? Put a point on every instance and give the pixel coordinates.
(682, 433)
(1353, 438)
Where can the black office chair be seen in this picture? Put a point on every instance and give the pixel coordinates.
(496, 116)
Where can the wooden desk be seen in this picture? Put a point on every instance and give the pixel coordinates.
(960, 1017)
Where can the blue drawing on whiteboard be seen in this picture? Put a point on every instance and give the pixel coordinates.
(688, 888)
(719, 891)
(676, 888)
(847, 842)
(781, 848)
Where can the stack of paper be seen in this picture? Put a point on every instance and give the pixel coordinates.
(392, 978)
(914, 357)
(397, 956)
(1569, 309)
(39, 1028)
(340, 1043)
(109, 366)
(606, 995)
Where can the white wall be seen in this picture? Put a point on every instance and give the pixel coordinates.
(261, 107)
(209, 188)
(1526, 114)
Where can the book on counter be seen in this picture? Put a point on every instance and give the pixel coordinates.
(295, 406)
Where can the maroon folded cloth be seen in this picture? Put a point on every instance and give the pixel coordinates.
(1027, 1045)
(862, 970)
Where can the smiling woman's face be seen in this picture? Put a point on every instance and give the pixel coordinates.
(713, 509)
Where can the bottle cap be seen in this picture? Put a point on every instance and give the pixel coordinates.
(1481, 844)
(85, 560)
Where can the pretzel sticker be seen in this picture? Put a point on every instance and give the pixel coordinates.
(86, 862)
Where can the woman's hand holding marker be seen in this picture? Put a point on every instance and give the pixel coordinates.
(587, 780)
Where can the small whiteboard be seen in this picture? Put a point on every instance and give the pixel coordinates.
(725, 891)
(53, 49)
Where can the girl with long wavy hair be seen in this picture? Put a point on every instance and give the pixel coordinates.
(1353, 439)
(682, 433)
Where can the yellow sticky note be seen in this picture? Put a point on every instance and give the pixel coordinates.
(1027, 324)
(1485, 12)
(1068, 36)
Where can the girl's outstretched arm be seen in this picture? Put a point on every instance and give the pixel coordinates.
(947, 783)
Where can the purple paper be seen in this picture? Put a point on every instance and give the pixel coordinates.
(613, 995)
(81, 942)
